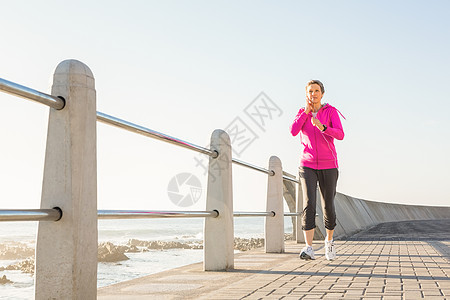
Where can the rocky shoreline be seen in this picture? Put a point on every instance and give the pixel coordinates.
(15, 251)
(109, 252)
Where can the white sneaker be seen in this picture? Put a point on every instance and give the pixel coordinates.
(330, 250)
(307, 253)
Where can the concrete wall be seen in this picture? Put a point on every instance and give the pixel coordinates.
(354, 215)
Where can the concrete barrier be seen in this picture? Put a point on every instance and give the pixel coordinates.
(354, 215)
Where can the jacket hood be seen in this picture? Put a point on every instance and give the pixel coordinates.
(327, 106)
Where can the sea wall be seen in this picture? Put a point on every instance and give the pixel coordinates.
(354, 215)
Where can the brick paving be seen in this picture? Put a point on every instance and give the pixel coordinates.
(385, 262)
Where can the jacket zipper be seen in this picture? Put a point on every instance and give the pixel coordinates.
(315, 139)
(317, 152)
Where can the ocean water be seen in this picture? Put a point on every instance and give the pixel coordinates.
(120, 232)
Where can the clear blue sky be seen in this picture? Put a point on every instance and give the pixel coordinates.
(186, 68)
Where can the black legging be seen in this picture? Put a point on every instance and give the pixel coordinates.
(327, 183)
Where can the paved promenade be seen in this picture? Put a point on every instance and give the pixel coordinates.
(403, 260)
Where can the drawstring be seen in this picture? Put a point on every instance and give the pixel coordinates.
(340, 113)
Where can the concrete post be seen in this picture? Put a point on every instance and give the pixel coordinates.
(219, 232)
(66, 251)
(274, 226)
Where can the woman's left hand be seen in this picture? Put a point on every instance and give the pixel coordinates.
(316, 123)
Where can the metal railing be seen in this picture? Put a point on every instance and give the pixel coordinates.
(254, 214)
(55, 214)
(250, 166)
(293, 214)
(30, 94)
(290, 177)
(110, 120)
(8, 215)
(142, 214)
(123, 124)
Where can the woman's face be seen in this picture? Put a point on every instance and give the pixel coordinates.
(314, 93)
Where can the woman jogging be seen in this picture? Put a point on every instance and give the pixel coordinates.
(318, 124)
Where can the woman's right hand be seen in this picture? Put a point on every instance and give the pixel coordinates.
(308, 107)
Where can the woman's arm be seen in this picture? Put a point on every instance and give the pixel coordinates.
(298, 122)
(335, 130)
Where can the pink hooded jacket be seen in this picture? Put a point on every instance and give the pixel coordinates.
(318, 146)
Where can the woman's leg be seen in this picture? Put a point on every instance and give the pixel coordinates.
(329, 234)
(327, 184)
(308, 180)
(308, 234)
